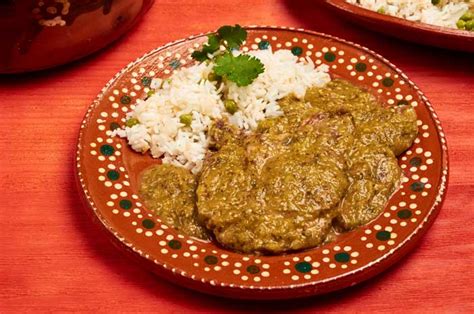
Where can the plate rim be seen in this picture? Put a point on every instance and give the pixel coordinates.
(388, 258)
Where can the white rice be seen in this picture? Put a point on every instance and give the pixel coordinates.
(188, 91)
(446, 14)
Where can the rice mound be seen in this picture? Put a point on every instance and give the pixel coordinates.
(423, 11)
(189, 91)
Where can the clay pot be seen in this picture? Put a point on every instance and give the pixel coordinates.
(39, 34)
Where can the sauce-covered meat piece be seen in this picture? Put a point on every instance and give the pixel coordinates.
(395, 127)
(169, 191)
(327, 165)
(277, 189)
(374, 175)
(288, 206)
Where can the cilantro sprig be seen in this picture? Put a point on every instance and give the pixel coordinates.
(212, 45)
(241, 69)
(233, 36)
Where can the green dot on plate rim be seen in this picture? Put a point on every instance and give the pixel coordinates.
(404, 214)
(383, 235)
(175, 64)
(253, 269)
(360, 67)
(146, 81)
(125, 99)
(417, 186)
(106, 150)
(303, 267)
(263, 45)
(211, 259)
(415, 161)
(387, 82)
(113, 126)
(125, 204)
(296, 51)
(342, 257)
(113, 175)
(329, 56)
(148, 223)
(174, 244)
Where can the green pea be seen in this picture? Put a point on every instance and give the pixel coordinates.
(469, 15)
(381, 10)
(461, 24)
(213, 77)
(150, 93)
(186, 119)
(470, 25)
(231, 106)
(131, 122)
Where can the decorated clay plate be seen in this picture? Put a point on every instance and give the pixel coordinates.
(107, 172)
(422, 33)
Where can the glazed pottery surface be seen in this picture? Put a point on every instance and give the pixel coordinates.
(108, 173)
(38, 34)
(417, 32)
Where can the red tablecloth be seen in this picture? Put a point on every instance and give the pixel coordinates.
(53, 258)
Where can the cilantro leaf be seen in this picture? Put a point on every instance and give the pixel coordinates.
(242, 70)
(199, 55)
(233, 35)
(212, 45)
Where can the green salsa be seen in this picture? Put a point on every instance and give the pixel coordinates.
(170, 192)
(327, 165)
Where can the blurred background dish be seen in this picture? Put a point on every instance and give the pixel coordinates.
(39, 34)
(417, 32)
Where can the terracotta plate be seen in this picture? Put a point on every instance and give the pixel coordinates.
(107, 173)
(413, 31)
